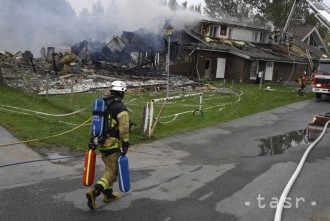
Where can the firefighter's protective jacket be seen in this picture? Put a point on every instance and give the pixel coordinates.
(302, 80)
(117, 126)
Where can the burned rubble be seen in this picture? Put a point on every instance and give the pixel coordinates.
(89, 66)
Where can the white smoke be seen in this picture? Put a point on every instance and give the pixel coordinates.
(33, 24)
(149, 14)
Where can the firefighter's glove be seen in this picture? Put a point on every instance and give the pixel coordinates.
(124, 148)
(91, 146)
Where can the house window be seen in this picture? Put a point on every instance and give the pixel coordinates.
(216, 30)
(262, 37)
(213, 31)
(205, 29)
(223, 30)
(255, 36)
(230, 30)
(269, 64)
(312, 41)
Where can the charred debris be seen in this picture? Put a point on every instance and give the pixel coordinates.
(136, 57)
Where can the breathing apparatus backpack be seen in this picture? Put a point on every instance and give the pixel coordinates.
(100, 127)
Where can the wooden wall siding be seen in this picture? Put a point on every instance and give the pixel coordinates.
(237, 68)
(284, 70)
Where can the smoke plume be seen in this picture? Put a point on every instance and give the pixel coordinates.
(33, 24)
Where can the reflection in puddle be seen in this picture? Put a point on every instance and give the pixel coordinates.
(278, 144)
(57, 158)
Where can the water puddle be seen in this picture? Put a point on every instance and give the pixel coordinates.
(279, 144)
(57, 158)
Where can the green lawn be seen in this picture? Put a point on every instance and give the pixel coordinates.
(218, 107)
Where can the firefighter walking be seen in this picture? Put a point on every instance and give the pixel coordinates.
(115, 144)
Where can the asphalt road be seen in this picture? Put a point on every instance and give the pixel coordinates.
(217, 173)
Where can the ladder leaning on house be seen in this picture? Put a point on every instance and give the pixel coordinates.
(309, 59)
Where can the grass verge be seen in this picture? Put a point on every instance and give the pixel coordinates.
(219, 105)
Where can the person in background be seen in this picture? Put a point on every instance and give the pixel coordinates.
(302, 83)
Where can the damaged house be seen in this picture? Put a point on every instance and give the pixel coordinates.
(309, 35)
(131, 49)
(241, 52)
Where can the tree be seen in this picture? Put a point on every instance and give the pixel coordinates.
(224, 9)
(263, 11)
(98, 10)
(278, 12)
(327, 41)
(173, 4)
(185, 4)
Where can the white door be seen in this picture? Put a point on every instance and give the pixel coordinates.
(269, 71)
(221, 65)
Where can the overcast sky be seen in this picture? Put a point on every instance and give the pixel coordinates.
(48, 23)
(327, 2)
(44, 23)
(78, 5)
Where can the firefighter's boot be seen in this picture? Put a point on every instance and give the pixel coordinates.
(110, 195)
(91, 196)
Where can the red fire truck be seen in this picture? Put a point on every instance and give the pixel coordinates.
(321, 82)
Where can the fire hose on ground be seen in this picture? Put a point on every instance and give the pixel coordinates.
(51, 136)
(280, 205)
(47, 114)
